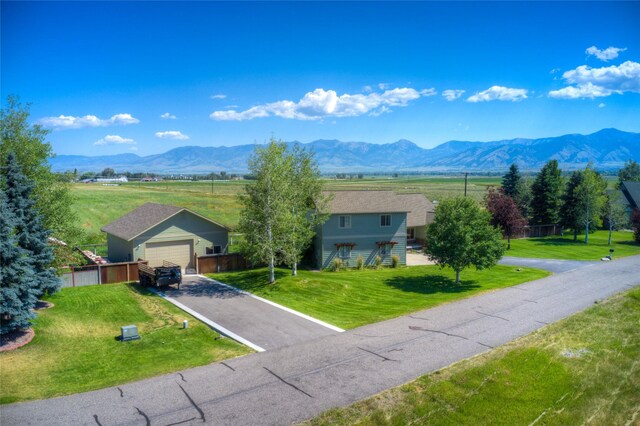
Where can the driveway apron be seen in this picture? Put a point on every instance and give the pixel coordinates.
(263, 324)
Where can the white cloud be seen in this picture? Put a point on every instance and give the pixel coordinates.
(597, 82)
(452, 95)
(218, 96)
(134, 148)
(70, 122)
(326, 103)
(168, 116)
(114, 140)
(172, 134)
(499, 93)
(384, 86)
(602, 105)
(605, 54)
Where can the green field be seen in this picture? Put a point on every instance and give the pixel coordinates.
(353, 298)
(582, 370)
(75, 347)
(98, 205)
(565, 248)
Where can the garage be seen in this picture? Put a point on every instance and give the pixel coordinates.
(178, 252)
(158, 232)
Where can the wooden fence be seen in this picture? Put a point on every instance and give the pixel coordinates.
(220, 263)
(533, 231)
(101, 274)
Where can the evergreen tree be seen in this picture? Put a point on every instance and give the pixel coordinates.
(31, 235)
(511, 181)
(570, 211)
(630, 172)
(523, 197)
(546, 194)
(17, 297)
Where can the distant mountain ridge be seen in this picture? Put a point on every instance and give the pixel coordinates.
(606, 149)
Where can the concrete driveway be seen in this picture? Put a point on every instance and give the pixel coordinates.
(260, 324)
(294, 383)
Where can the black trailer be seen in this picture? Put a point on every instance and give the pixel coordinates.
(160, 276)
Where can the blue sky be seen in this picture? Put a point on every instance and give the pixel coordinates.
(102, 75)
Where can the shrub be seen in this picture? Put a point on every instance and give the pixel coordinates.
(377, 261)
(395, 261)
(336, 265)
(360, 262)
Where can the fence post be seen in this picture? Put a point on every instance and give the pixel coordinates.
(73, 277)
(99, 275)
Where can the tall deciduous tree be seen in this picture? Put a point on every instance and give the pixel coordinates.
(504, 213)
(28, 142)
(511, 180)
(630, 172)
(592, 198)
(29, 230)
(615, 213)
(17, 295)
(461, 235)
(571, 211)
(545, 195)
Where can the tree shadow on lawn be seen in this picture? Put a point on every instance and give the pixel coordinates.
(431, 284)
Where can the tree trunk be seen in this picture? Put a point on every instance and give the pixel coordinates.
(457, 277)
(294, 270)
(586, 233)
(508, 241)
(610, 232)
(575, 234)
(272, 274)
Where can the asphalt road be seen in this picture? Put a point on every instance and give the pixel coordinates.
(297, 382)
(552, 265)
(260, 323)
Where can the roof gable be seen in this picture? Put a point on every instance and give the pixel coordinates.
(365, 202)
(631, 190)
(420, 209)
(145, 217)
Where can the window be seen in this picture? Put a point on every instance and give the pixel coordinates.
(385, 249)
(385, 220)
(345, 251)
(213, 250)
(344, 222)
(411, 233)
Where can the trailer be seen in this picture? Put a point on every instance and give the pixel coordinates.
(160, 276)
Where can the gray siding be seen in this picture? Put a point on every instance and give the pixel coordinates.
(365, 231)
(183, 226)
(119, 250)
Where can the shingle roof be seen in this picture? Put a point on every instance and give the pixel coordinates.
(632, 191)
(144, 217)
(421, 210)
(416, 206)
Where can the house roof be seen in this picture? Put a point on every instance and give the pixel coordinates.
(420, 209)
(145, 217)
(631, 190)
(365, 202)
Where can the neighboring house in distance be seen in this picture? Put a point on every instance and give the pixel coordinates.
(631, 192)
(367, 224)
(157, 232)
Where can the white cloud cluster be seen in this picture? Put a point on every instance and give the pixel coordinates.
(599, 82)
(605, 54)
(452, 95)
(70, 122)
(499, 93)
(114, 140)
(168, 116)
(326, 103)
(218, 96)
(172, 134)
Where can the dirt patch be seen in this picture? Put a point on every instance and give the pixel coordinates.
(16, 339)
(43, 305)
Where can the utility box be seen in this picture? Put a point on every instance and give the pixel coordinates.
(129, 332)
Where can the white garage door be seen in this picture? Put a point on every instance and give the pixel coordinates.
(178, 252)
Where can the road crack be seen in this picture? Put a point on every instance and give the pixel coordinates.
(228, 366)
(492, 316)
(193, 403)
(384, 358)
(143, 415)
(287, 383)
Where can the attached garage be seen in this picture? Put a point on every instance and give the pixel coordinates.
(158, 232)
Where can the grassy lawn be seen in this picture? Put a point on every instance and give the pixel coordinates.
(565, 248)
(353, 298)
(531, 380)
(75, 347)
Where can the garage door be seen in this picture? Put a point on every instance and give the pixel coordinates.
(178, 252)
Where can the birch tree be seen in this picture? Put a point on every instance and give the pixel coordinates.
(591, 196)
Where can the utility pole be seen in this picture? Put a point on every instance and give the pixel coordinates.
(465, 183)
(212, 183)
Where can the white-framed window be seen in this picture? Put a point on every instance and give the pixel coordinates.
(385, 220)
(344, 222)
(345, 252)
(385, 249)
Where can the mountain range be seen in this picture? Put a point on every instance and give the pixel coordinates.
(606, 149)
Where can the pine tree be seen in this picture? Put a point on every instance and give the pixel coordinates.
(31, 235)
(546, 194)
(16, 294)
(511, 181)
(570, 211)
